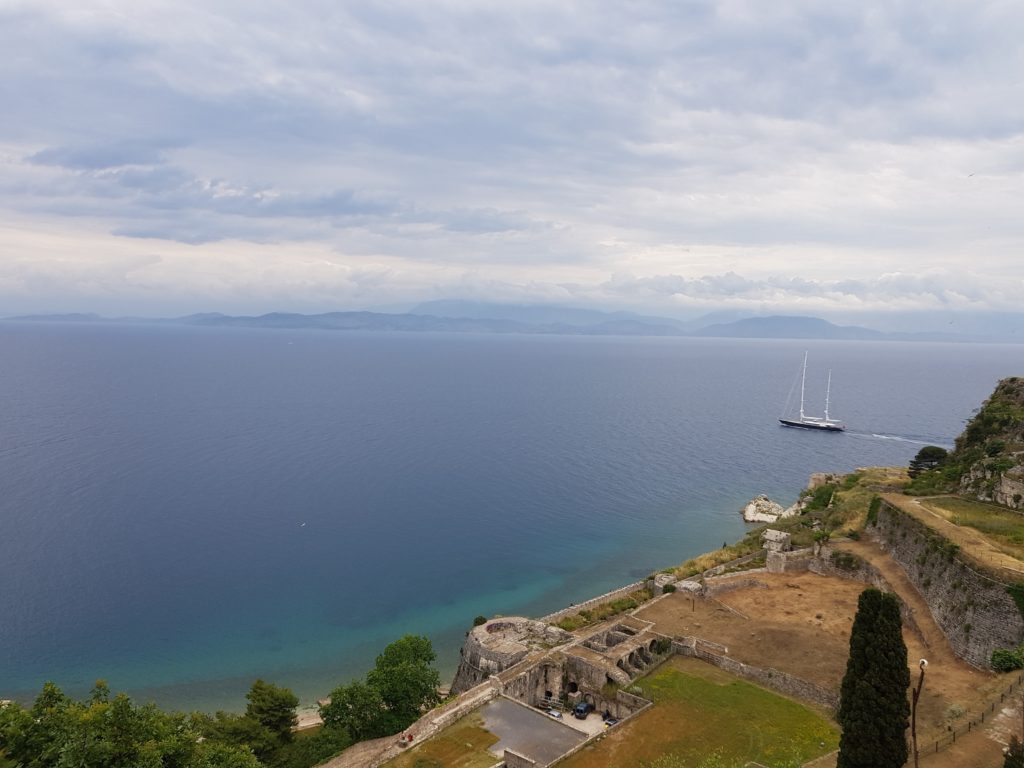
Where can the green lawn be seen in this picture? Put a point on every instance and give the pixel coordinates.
(1004, 527)
(701, 711)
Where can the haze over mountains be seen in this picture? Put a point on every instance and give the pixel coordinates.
(483, 317)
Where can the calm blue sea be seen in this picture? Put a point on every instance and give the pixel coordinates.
(182, 510)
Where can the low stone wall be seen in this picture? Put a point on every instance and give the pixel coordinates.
(721, 584)
(783, 682)
(794, 561)
(718, 570)
(626, 591)
(515, 760)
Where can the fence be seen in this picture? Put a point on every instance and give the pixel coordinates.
(937, 745)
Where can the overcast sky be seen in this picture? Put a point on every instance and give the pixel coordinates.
(170, 157)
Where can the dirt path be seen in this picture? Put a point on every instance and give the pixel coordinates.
(973, 544)
(948, 679)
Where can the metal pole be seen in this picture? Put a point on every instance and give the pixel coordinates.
(913, 708)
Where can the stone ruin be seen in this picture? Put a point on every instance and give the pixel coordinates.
(558, 666)
(500, 643)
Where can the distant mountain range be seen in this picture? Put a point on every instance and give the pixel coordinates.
(480, 317)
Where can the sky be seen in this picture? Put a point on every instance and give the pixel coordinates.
(162, 158)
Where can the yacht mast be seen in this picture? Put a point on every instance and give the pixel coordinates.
(803, 379)
(828, 388)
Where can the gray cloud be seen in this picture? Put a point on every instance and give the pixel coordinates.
(829, 153)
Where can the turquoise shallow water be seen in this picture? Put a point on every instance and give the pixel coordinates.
(187, 509)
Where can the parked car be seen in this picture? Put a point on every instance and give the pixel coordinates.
(581, 710)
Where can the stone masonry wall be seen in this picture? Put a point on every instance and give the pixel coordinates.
(974, 610)
(625, 591)
(783, 682)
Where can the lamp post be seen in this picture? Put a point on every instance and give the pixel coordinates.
(913, 708)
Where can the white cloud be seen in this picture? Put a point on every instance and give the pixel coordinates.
(780, 156)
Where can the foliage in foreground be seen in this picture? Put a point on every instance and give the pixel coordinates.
(105, 732)
(58, 731)
(396, 691)
(873, 709)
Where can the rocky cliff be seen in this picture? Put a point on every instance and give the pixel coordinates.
(989, 455)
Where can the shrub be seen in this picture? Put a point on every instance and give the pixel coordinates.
(668, 588)
(479, 620)
(873, 507)
(1007, 659)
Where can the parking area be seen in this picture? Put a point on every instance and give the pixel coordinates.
(531, 732)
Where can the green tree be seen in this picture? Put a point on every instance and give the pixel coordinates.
(104, 732)
(405, 679)
(929, 457)
(1014, 754)
(273, 708)
(873, 710)
(358, 709)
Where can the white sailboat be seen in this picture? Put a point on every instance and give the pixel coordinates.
(812, 422)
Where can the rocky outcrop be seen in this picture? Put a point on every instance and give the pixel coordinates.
(761, 509)
(989, 454)
(985, 481)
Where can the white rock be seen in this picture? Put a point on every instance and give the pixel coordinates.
(761, 509)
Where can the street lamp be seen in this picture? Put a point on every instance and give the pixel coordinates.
(913, 708)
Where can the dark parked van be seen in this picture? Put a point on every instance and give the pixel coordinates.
(581, 710)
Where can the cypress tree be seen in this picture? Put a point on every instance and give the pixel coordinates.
(873, 708)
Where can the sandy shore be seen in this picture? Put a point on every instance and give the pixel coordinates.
(308, 717)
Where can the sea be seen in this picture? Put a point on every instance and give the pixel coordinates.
(184, 510)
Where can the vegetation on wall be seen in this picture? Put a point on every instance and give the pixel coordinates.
(587, 616)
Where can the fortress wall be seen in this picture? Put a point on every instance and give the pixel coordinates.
(974, 610)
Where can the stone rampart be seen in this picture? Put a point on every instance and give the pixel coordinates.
(974, 610)
(626, 591)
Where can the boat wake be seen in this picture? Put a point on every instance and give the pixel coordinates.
(915, 439)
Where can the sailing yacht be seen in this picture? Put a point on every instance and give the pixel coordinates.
(812, 422)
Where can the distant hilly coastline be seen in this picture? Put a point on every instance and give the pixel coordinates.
(480, 317)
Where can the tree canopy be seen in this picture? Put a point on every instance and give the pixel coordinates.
(106, 732)
(929, 457)
(396, 691)
(873, 710)
(273, 708)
